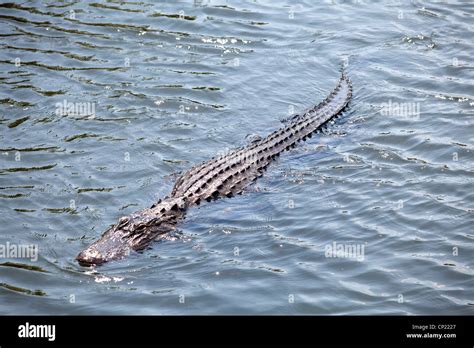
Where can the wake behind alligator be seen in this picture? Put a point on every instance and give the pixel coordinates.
(218, 177)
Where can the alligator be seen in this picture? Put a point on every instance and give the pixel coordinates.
(221, 176)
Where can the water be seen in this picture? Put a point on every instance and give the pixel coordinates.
(158, 87)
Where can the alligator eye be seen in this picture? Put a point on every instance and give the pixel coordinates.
(123, 220)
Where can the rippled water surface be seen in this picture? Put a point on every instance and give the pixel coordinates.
(158, 87)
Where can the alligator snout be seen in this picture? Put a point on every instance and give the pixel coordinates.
(90, 257)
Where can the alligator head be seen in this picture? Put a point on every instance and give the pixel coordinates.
(134, 232)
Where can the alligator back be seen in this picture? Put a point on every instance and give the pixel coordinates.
(230, 174)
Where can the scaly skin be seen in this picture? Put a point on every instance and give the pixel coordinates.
(218, 177)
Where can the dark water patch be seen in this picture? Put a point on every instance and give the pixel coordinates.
(101, 189)
(173, 15)
(34, 10)
(18, 122)
(12, 102)
(16, 195)
(15, 187)
(23, 266)
(67, 210)
(80, 136)
(111, 25)
(204, 88)
(33, 149)
(63, 68)
(27, 169)
(64, 53)
(40, 91)
(95, 46)
(115, 8)
(23, 290)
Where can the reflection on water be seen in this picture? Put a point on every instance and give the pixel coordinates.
(103, 103)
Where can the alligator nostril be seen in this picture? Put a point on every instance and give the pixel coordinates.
(85, 263)
(88, 261)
